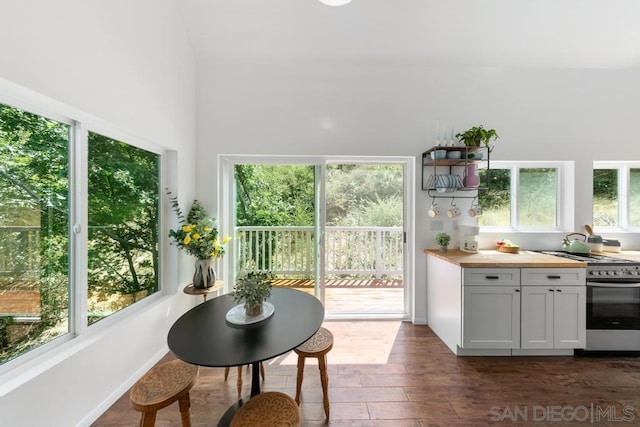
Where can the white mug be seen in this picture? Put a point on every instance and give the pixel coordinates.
(475, 211)
(434, 211)
(453, 212)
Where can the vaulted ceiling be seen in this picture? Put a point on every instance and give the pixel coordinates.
(496, 33)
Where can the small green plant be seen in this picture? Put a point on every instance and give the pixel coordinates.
(477, 136)
(253, 288)
(443, 239)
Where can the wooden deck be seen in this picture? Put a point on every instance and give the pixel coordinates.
(15, 302)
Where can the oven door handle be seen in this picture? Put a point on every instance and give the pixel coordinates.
(613, 284)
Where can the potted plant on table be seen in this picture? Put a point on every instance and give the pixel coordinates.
(198, 236)
(443, 240)
(253, 289)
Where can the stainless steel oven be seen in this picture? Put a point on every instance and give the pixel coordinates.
(613, 315)
(613, 302)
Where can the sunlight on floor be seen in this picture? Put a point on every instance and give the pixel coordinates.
(362, 300)
(354, 342)
(371, 300)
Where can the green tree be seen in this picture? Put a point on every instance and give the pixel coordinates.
(274, 195)
(123, 217)
(364, 195)
(34, 192)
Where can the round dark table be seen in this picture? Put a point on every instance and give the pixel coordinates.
(202, 336)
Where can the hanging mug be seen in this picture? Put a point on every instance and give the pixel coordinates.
(475, 211)
(453, 211)
(434, 211)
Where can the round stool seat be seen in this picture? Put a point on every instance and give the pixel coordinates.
(270, 409)
(160, 387)
(321, 342)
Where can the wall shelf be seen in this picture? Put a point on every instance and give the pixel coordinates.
(444, 177)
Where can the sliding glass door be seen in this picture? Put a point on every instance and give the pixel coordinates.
(331, 227)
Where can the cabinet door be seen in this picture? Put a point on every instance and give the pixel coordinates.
(537, 317)
(569, 312)
(491, 317)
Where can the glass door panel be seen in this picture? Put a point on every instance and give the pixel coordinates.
(364, 239)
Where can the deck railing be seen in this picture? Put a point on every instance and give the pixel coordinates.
(290, 251)
(286, 251)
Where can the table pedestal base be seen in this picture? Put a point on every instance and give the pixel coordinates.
(225, 421)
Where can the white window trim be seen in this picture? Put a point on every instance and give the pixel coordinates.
(564, 197)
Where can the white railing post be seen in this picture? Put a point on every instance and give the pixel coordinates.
(379, 261)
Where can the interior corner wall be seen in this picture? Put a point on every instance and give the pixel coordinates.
(129, 65)
(387, 109)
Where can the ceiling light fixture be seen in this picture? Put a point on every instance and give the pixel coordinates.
(335, 2)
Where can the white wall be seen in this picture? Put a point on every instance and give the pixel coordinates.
(254, 107)
(127, 63)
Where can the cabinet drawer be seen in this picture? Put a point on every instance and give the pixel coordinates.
(491, 276)
(553, 276)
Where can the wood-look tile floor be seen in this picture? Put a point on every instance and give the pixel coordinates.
(390, 373)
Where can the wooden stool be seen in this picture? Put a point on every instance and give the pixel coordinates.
(317, 346)
(270, 409)
(239, 380)
(160, 387)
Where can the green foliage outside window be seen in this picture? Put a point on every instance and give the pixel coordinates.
(537, 201)
(123, 225)
(34, 231)
(35, 248)
(285, 196)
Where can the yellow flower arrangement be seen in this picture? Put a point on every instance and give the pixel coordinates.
(198, 234)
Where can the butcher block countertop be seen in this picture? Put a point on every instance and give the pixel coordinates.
(495, 259)
(631, 255)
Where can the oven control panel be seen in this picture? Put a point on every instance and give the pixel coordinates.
(613, 272)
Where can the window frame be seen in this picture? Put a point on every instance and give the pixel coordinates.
(29, 364)
(564, 195)
(624, 186)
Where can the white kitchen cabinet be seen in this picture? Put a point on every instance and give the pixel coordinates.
(491, 308)
(537, 317)
(553, 308)
(570, 317)
(503, 311)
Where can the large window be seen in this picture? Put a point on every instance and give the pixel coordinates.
(616, 194)
(523, 196)
(38, 251)
(34, 231)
